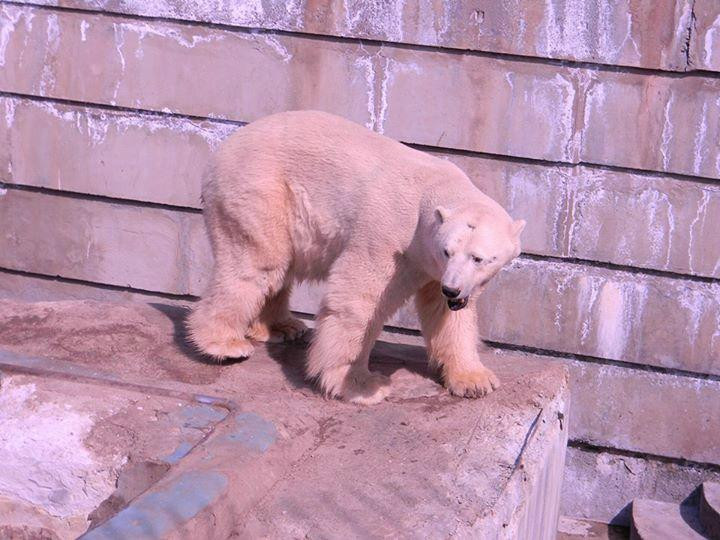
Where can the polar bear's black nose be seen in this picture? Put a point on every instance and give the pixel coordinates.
(450, 293)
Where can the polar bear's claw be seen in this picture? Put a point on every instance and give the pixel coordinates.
(472, 384)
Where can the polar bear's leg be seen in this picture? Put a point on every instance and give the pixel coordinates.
(356, 305)
(252, 254)
(451, 338)
(219, 323)
(339, 352)
(243, 280)
(275, 323)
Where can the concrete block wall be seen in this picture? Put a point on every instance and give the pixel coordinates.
(598, 122)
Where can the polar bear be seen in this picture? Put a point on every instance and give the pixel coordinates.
(306, 195)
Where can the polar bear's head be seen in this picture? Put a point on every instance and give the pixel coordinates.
(471, 247)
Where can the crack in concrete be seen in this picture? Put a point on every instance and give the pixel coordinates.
(688, 36)
(531, 431)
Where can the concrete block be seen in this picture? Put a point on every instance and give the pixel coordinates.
(656, 520)
(645, 412)
(101, 242)
(483, 104)
(671, 130)
(628, 33)
(281, 461)
(163, 66)
(709, 507)
(600, 486)
(649, 320)
(524, 109)
(644, 221)
(104, 152)
(705, 37)
(29, 288)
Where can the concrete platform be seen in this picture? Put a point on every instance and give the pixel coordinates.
(709, 508)
(658, 520)
(110, 422)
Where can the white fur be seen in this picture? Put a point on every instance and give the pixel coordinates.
(308, 195)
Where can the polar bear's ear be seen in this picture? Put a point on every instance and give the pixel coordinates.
(518, 226)
(442, 213)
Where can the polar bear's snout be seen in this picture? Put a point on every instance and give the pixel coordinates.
(450, 292)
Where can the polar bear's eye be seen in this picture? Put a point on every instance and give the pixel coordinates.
(446, 253)
(477, 259)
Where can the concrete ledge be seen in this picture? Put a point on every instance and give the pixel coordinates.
(273, 459)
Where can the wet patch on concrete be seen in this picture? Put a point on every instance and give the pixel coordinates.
(134, 479)
(180, 452)
(201, 416)
(253, 432)
(156, 514)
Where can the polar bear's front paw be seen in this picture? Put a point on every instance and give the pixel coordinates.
(475, 383)
(367, 389)
(290, 329)
(355, 385)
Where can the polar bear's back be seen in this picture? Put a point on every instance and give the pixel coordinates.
(334, 161)
(329, 182)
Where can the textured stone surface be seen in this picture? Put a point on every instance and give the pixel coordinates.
(102, 242)
(645, 412)
(656, 520)
(627, 408)
(610, 314)
(709, 507)
(103, 152)
(583, 212)
(35, 289)
(485, 104)
(705, 44)
(285, 462)
(629, 32)
(551, 305)
(644, 221)
(571, 211)
(165, 66)
(65, 445)
(672, 129)
(600, 486)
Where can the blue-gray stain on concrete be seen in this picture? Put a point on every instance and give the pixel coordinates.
(157, 513)
(180, 452)
(206, 399)
(253, 431)
(201, 416)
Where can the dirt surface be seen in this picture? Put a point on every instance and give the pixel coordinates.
(179, 446)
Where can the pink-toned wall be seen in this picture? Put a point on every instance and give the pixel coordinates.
(598, 122)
